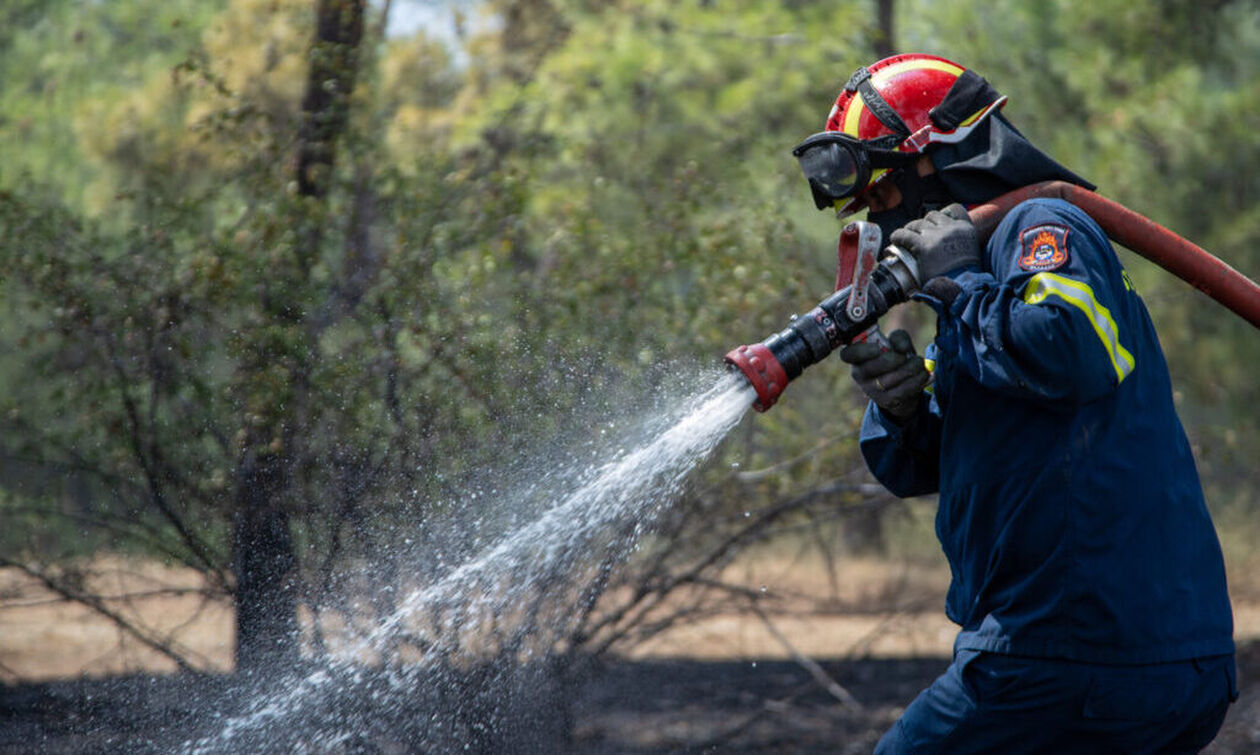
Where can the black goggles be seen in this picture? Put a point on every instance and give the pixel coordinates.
(838, 165)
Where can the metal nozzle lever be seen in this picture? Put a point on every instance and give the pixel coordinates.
(863, 264)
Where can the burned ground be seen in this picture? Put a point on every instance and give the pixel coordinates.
(624, 706)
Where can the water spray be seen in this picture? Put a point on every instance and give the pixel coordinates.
(516, 583)
(867, 289)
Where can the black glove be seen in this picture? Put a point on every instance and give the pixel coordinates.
(892, 379)
(942, 241)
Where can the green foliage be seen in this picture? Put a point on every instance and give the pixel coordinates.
(58, 56)
(590, 201)
(661, 212)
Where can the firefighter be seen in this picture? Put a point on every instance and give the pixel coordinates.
(1087, 578)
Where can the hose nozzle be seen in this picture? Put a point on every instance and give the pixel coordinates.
(839, 319)
(764, 373)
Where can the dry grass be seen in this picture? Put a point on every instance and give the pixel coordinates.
(813, 606)
(848, 608)
(45, 637)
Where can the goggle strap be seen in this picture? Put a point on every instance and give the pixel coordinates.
(887, 142)
(860, 82)
(879, 158)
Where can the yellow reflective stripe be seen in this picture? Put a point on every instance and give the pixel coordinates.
(1044, 285)
(887, 72)
(856, 105)
(976, 115)
(1128, 282)
(930, 364)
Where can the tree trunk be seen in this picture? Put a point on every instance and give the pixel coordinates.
(329, 82)
(264, 561)
(885, 41)
(263, 553)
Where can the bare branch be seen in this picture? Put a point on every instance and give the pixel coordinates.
(145, 636)
(815, 671)
(156, 494)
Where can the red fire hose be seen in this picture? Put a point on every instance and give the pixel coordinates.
(1144, 236)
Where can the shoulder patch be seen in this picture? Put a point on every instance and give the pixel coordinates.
(1043, 247)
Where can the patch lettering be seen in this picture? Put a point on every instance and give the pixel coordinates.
(1043, 247)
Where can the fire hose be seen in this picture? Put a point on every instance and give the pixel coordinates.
(866, 288)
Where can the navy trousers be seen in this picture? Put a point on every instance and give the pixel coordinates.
(994, 703)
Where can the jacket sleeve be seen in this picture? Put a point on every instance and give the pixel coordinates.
(905, 459)
(1042, 321)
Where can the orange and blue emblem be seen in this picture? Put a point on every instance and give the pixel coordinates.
(1043, 247)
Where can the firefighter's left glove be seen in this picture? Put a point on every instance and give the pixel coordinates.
(941, 241)
(892, 379)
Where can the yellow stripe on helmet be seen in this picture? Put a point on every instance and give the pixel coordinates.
(856, 105)
(887, 72)
(1044, 285)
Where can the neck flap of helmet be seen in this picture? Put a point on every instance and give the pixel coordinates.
(970, 94)
(994, 159)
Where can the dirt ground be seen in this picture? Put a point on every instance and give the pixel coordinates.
(776, 707)
(644, 707)
(810, 676)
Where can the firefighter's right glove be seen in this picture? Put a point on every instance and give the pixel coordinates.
(892, 379)
(941, 241)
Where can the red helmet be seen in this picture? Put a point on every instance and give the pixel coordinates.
(893, 100)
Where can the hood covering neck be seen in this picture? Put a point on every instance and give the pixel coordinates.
(995, 158)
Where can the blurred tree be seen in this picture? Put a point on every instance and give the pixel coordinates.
(55, 56)
(263, 551)
(285, 362)
(886, 39)
(269, 382)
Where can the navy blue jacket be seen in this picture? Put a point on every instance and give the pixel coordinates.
(1070, 508)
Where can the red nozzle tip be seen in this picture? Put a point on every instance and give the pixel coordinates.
(763, 371)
